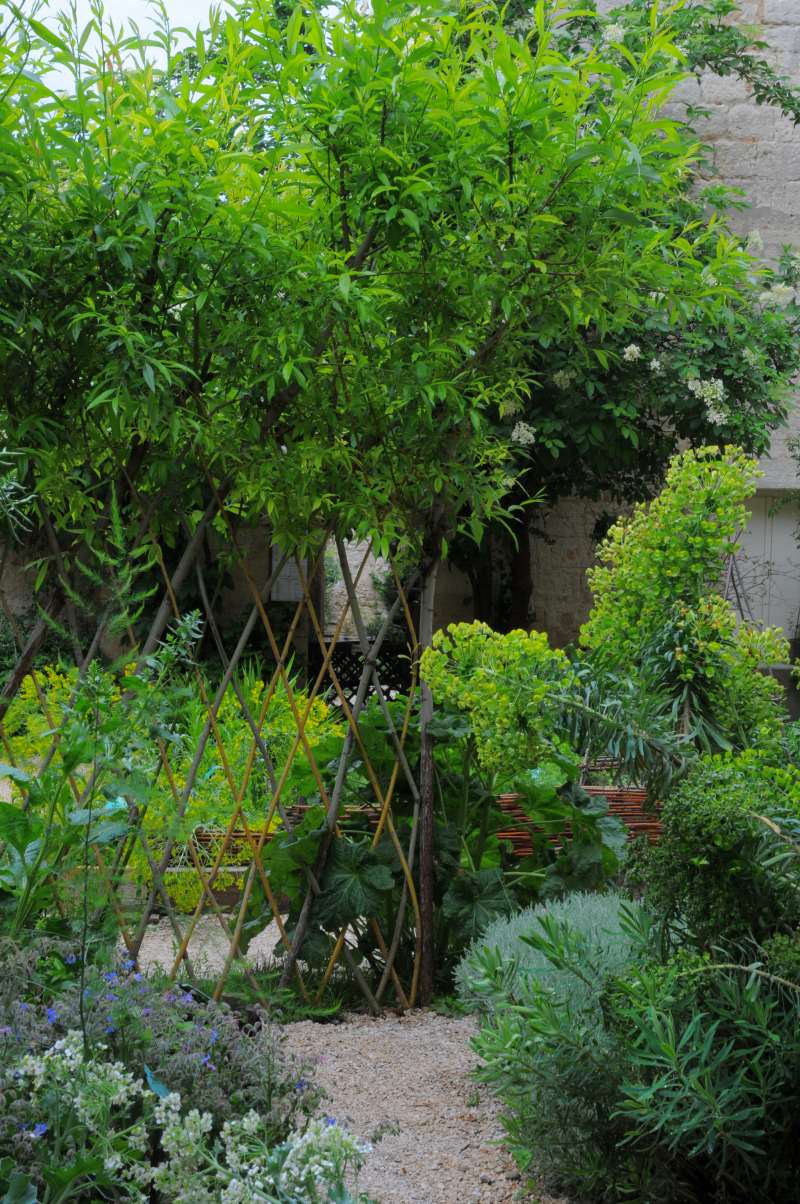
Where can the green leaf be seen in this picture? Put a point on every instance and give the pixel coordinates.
(21, 1190)
(155, 1084)
(12, 771)
(47, 35)
(355, 885)
(472, 900)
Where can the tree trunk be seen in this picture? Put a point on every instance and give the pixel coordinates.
(28, 653)
(426, 832)
(521, 580)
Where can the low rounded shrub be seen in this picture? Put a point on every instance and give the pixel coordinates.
(505, 960)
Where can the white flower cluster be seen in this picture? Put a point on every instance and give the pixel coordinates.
(320, 1155)
(754, 243)
(114, 1117)
(613, 33)
(777, 297)
(563, 378)
(523, 434)
(632, 353)
(655, 365)
(712, 394)
(751, 357)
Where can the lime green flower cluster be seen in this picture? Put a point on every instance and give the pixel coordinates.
(658, 610)
(670, 550)
(506, 684)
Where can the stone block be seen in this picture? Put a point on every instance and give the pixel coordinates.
(780, 12)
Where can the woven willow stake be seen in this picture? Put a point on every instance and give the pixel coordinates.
(426, 785)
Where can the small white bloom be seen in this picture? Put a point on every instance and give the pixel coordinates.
(750, 357)
(754, 243)
(632, 353)
(777, 297)
(655, 365)
(523, 434)
(563, 378)
(613, 33)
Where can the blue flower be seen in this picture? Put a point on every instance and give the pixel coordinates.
(24, 1007)
(110, 1026)
(111, 976)
(146, 1011)
(40, 1129)
(187, 997)
(206, 1061)
(214, 1035)
(52, 1015)
(5, 1031)
(128, 964)
(111, 997)
(137, 977)
(70, 959)
(301, 1085)
(330, 1121)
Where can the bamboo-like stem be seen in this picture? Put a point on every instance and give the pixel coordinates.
(426, 776)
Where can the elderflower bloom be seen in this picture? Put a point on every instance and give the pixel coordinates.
(754, 243)
(632, 353)
(563, 378)
(777, 297)
(523, 434)
(655, 365)
(613, 33)
(712, 394)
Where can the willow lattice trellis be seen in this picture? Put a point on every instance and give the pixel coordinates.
(248, 839)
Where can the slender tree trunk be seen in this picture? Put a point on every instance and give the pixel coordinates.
(426, 831)
(521, 580)
(28, 653)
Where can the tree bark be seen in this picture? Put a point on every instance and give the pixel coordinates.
(426, 831)
(28, 653)
(521, 580)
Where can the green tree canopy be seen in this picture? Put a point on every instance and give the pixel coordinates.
(312, 269)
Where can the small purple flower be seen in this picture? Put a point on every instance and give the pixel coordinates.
(137, 977)
(187, 997)
(52, 1015)
(330, 1121)
(170, 997)
(24, 1007)
(146, 1011)
(110, 1026)
(70, 959)
(128, 964)
(111, 976)
(5, 1031)
(301, 1085)
(206, 1061)
(214, 1035)
(111, 997)
(40, 1129)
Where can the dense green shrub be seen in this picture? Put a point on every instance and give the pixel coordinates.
(547, 1053)
(506, 963)
(665, 1082)
(658, 612)
(709, 1090)
(707, 870)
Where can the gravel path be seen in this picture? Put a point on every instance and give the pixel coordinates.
(409, 1077)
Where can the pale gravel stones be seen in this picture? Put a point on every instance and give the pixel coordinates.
(410, 1077)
